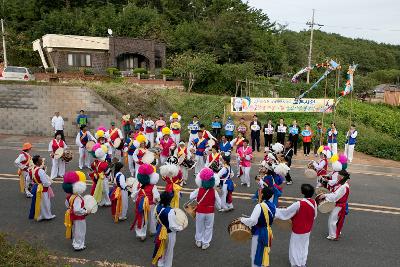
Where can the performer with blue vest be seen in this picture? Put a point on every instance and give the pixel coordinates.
(167, 226)
(199, 146)
(194, 127)
(228, 186)
(216, 126)
(81, 140)
(294, 130)
(351, 140)
(260, 222)
(225, 147)
(119, 194)
(302, 213)
(129, 149)
(229, 128)
(332, 138)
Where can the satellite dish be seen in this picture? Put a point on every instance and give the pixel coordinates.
(110, 32)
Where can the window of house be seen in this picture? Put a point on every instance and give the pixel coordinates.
(79, 60)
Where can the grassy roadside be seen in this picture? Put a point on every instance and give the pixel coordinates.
(21, 253)
(377, 124)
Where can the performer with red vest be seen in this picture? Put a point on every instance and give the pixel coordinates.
(81, 140)
(23, 163)
(245, 154)
(340, 195)
(100, 176)
(160, 124)
(149, 128)
(207, 198)
(260, 222)
(167, 145)
(183, 153)
(172, 175)
(75, 217)
(113, 134)
(214, 159)
(40, 206)
(302, 213)
(140, 144)
(145, 196)
(57, 165)
(238, 142)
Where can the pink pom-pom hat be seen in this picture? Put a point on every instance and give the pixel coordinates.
(71, 177)
(96, 146)
(206, 174)
(145, 169)
(327, 148)
(102, 128)
(342, 158)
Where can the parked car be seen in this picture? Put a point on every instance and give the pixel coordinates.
(12, 73)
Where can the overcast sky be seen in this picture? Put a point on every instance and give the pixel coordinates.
(377, 20)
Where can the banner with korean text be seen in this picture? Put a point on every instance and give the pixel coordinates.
(253, 104)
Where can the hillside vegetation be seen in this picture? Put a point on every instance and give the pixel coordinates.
(377, 123)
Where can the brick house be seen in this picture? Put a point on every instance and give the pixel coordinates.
(72, 52)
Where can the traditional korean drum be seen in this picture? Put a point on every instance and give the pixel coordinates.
(238, 231)
(67, 156)
(90, 204)
(117, 143)
(188, 163)
(181, 218)
(190, 208)
(324, 206)
(59, 153)
(310, 172)
(89, 145)
(321, 190)
(131, 183)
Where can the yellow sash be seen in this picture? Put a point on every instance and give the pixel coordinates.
(98, 191)
(175, 200)
(39, 192)
(67, 218)
(163, 240)
(265, 261)
(118, 208)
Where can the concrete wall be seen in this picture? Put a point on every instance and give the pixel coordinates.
(28, 109)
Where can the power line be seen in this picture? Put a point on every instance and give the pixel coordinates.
(342, 27)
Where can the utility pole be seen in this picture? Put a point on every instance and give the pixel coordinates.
(4, 44)
(311, 24)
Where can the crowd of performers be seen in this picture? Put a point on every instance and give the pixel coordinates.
(155, 145)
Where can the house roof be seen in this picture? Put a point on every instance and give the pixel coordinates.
(75, 41)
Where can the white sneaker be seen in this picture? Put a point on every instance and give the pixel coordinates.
(205, 246)
(28, 194)
(330, 237)
(198, 244)
(248, 185)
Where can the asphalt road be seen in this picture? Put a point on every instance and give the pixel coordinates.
(370, 235)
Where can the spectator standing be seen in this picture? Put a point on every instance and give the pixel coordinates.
(229, 128)
(268, 133)
(294, 130)
(307, 135)
(332, 138)
(242, 127)
(281, 131)
(216, 126)
(82, 119)
(318, 138)
(57, 123)
(255, 127)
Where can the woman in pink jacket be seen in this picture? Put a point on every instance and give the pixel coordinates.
(245, 154)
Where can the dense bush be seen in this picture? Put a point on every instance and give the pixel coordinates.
(140, 71)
